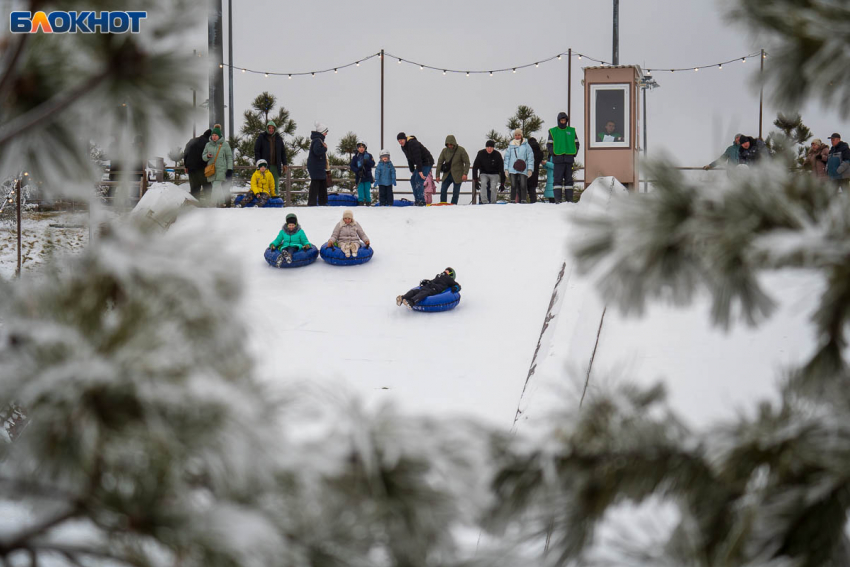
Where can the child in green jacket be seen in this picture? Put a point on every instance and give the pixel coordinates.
(289, 240)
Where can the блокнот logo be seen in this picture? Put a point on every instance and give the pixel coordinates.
(76, 22)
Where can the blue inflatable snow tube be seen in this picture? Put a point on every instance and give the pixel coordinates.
(299, 258)
(337, 257)
(398, 203)
(337, 200)
(273, 203)
(440, 302)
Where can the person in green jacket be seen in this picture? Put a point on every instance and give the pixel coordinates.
(290, 239)
(218, 151)
(563, 146)
(730, 156)
(454, 162)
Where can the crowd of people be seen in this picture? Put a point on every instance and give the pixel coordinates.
(824, 161)
(209, 164)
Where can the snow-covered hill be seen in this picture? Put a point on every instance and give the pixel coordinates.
(339, 328)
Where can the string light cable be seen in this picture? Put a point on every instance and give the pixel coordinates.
(490, 72)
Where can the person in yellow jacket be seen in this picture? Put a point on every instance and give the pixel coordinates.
(262, 186)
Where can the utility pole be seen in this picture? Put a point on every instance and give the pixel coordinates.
(194, 101)
(761, 95)
(569, 85)
(382, 100)
(216, 67)
(18, 217)
(231, 130)
(615, 57)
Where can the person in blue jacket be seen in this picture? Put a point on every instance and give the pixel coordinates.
(362, 164)
(519, 165)
(838, 162)
(385, 179)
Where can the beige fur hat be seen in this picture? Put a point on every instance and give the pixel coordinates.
(347, 214)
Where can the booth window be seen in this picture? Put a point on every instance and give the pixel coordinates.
(609, 116)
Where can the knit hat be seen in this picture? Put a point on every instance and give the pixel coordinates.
(518, 131)
(262, 163)
(347, 214)
(217, 130)
(321, 128)
(817, 141)
(401, 136)
(384, 153)
(451, 272)
(490, 144)
(291, 218)
(362, 144)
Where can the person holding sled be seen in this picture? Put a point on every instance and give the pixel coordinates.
(289, 240)
(262, 186)
(348, 234)
(441, 282)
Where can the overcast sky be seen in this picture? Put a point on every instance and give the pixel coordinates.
(693, 115)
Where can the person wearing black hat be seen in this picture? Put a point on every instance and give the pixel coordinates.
(563, 145)
(419, 161)
(533, 181)
(488, 175)
(838, 161)
(194, 162)
(441, 282)
(290, 239)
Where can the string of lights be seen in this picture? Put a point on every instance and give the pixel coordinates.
(491, 72)
(718, 65)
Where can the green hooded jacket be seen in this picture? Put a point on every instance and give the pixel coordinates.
(224, 161)
(457, 156)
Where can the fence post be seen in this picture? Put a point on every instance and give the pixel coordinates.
(143, 186)
(288, 187)
(160, 169)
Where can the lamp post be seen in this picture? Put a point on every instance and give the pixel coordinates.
(615, 48)
(646, 83)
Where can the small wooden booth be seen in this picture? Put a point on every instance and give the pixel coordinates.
(611, 117)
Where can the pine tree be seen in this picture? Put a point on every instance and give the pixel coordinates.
(501, 140)
(789, 142)
(348, 145)
(525, 120)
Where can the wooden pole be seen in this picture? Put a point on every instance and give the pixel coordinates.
(382, 100)
(761, 95)
(288, 187)
(569, 85)
(18, 214)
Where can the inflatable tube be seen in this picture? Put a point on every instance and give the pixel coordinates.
(337, 257)
(442, 205)
(273, 203)
(440, 302)
(341, 200)
(399, 203)
(299, 258)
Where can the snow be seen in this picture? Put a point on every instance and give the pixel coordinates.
(337, 329)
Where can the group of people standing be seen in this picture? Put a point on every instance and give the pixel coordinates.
(209, 163)
(830, 161)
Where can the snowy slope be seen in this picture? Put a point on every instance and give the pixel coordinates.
(323, 324)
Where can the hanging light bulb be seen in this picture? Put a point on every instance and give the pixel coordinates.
(444, 71)
(743, 59)
(537, 64)
(313, 74)
(579, 57)
(358, 63)
(491, 73)
(290, 76)
(334, 70)
(696, 68)
(720, 67)
(559, 57)
(514, 69)
(467, 73)
(267, 75)
(243, 70)
(220, 66)
(421, 67)
(399, 61)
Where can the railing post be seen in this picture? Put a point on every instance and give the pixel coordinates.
(288, 187)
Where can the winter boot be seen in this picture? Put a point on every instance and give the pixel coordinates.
(398, 300)
(568, 195)
(279, 260)
(287, 256)
(559, 194)
(408, 304)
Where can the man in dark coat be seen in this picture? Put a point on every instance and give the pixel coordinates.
(317, 166)
(195, 164)
(270, 147)
(441, 282)
(488, 167)
(750, 150)
(532, 182)
(838, 161)
(420, 161)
